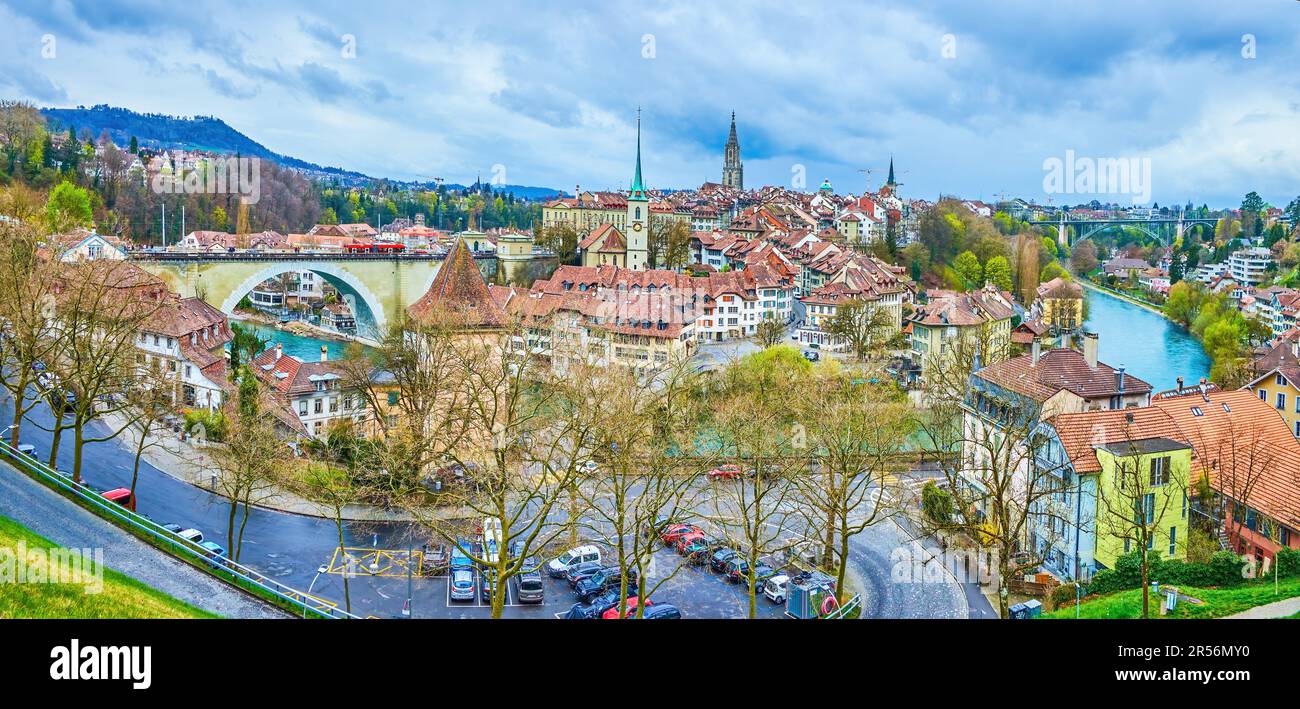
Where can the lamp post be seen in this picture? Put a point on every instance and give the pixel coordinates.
(320, 570)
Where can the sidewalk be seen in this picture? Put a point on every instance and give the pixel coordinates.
(1277, 609)
(189, 463)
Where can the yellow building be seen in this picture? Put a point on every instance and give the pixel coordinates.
(1060, 304)
(949, 318)
(1280, 388)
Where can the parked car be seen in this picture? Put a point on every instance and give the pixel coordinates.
(28, 450)
(674, 532)
(595, 608)
(608, 578)
(581, 571)
(697, 552)
(529, 587)
(462, 584)
(459, 559)
(728, 471)
(721, 558)
(661, 612)
(191, 534)
(121, 496)
(777, 588)
(632, 602)
(559, 566)
(589, 467)
(489, 584)
(688, 539)
(215, 552)
(738, 572)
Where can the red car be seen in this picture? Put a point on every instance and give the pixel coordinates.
(688, 539)
(612, 613)
(729, 471)
(670, 535)
(121, 496)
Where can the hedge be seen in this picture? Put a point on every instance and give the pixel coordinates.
(1224, 569)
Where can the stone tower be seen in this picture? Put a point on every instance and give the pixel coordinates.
(638, 214)
(733, 171)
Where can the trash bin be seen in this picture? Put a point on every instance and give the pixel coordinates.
(1032, 609)
(1017, 612)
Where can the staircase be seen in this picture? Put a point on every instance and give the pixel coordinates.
(1225, 542)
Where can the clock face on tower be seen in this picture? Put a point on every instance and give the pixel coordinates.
(636, 226)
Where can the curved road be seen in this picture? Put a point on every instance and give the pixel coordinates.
(291, 548)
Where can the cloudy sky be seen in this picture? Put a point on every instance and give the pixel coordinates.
(969, 98)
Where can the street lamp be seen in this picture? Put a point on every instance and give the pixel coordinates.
(320, 570)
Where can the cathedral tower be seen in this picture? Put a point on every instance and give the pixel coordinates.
(733, 171)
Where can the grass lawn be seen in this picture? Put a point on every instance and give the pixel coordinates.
(120, 596)
(1217, 602)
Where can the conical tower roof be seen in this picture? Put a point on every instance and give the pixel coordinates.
(459, 291)
(638, 188)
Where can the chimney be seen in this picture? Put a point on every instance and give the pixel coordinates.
(1090, 349)
(1119, 379)
(324, 353)
(1035, 351)
(279, 350)
(1180, 384)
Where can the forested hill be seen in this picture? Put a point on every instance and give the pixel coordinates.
(156, 130)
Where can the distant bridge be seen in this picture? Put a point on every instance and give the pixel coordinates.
(379, 287)
(1166, 230)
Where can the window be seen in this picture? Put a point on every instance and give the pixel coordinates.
(302, 407)
(1281, 401)
(1128, 545)
(1160, 471)
(1263, 395)
(1184, 504)
(1173, 541)
(1149, 508)
(319, 406)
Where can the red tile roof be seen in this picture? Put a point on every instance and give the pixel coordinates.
(459, 289)
(1056, 370)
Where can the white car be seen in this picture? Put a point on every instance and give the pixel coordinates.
(583, 554)
(776, 588)
(191, 534)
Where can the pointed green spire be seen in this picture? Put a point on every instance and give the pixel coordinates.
(638, 189)
(890, 181)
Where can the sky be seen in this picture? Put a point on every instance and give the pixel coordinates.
(972, 99)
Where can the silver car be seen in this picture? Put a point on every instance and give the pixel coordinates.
(462, 585)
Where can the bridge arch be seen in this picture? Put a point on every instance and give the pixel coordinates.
(330, 271)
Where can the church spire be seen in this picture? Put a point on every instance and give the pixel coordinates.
(733, 171)
(890, 181)
(638, 189)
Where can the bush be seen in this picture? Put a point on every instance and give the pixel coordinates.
(936, 503)
(1223, 569)
(214, 423)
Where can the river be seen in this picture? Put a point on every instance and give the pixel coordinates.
(306, 349)
(1146, 344)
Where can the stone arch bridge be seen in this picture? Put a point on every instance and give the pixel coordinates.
(382, 284)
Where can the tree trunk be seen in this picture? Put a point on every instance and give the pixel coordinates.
(78, 442)
(242, 524)
(54, 444)
(18, 419)
(139, 451)
(230, 524)
(347, 592)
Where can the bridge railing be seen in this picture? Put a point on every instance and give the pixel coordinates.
(228, 570)
(288, 256)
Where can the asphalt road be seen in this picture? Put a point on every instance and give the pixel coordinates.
(291, 548)
(48, 514)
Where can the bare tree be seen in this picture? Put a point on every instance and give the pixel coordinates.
(30, 339)
(865, 326)
(1136, 503)
(854, 432)
(769, 331)
(249, 463)
(148, 401)
(513, 466)
(1001, 491)
(101, 307)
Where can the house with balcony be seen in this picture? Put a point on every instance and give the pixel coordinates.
(1249, 266)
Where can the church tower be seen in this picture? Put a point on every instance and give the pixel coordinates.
(638, 214)
(733, 171)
